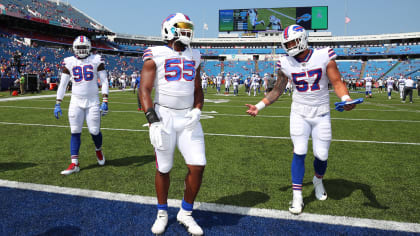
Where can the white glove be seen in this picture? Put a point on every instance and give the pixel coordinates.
(194, 114)
(158, 137)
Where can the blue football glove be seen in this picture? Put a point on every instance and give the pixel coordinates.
(104, 108)
(57, 111)
(339, 106)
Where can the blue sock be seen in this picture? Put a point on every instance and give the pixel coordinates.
(162, 207)
(75, 144)
(187, 206)
(367, 93)
(298, 168)
(97, 139)
(320, 167)
(389, 94)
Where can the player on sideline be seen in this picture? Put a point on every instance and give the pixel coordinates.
(310, 70)
(389, 85)
(83, 70)
(174, 115)
(368, 85)
(401, 86)
(204, 82)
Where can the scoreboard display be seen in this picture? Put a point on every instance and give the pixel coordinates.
(273, 19)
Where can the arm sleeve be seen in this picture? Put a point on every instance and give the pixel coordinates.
(65, 78)
(104, 81)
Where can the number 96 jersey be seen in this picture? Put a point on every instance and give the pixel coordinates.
(308, 76)
(175, 75)
(84, 74)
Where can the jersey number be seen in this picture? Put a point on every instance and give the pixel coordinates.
(86, 73)
(176, 68)
(302, 84)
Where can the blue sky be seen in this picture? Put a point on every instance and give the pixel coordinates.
(144, 17)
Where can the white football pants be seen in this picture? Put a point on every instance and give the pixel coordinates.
(84, 109)
(318, 127)
(189, 143)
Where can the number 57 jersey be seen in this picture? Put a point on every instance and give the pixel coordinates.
(84, 75)
(175, 75)
(309, 77)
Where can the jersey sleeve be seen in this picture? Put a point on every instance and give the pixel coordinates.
(67, 63)
(331, 54)
(147, 54)
(197, 58)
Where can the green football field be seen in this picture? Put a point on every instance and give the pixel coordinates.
(373, 168)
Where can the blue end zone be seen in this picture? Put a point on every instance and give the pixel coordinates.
(26, 212)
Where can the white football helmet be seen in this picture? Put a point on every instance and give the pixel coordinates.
(294, 33)
(179, 27)
(82, 46)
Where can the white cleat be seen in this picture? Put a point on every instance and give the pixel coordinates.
(100, 157)
(160, 223)
(320, 192)
(185, 218)
(296, 205)
(71, 169)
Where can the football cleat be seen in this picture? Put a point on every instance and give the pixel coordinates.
(100, 157)
(71, 169)
(320, 193)
(296, 206)
(185, 218)
(160, 223)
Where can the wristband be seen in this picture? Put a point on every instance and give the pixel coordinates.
(151, 116)
(260, 105)
(345, 97)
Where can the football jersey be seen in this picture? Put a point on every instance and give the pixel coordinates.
(309, 77)
(389, 83)
(236, 80)
(368, 81)
(219, 79)
(84, 74)
(175, 75)
(401, 82)
(204, 79)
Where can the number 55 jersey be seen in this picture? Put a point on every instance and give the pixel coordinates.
(310, 81)
(84, 75)
(175, 75)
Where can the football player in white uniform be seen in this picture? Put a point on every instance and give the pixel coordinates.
(310, 70)
(236, 79)
(204, 82)
(275, 23)
(253, 18)
(401, 85)
(368, 85)
(255, 84)
(228, 81)
(83, 70)
(389, 86)
(219, 79)
(174, 115)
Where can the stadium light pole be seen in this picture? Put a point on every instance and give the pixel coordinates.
(345, 13)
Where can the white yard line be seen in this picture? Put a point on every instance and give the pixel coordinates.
(213, 207)
(233, 115)
(213, 134)
(41, 96)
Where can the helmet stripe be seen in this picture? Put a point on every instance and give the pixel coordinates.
(81, 39)
(168, 18)
(286, 35)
